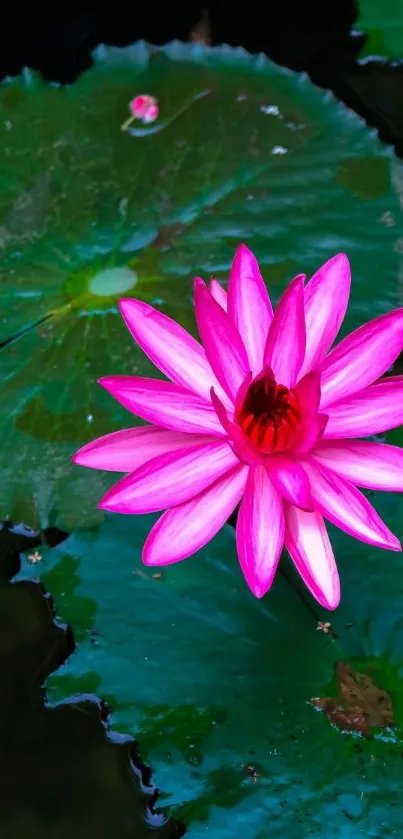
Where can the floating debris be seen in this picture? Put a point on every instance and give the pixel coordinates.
(34, 558)
(251, 772)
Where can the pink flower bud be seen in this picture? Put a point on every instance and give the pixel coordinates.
(140, 106)
(151, 114)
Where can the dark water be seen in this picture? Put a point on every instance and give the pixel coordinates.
(62, 773)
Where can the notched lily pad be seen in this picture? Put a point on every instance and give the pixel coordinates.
(360, 707)
(210, 680)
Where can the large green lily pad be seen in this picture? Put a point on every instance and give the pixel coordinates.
(217, 686)
(382, 21)
(243, 150)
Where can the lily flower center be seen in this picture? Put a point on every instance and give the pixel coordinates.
(269, 414)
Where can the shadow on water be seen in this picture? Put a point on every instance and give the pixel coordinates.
(62, 772)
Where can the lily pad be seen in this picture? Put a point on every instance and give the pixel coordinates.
(243, 150)
(382, 22)
(220, 688)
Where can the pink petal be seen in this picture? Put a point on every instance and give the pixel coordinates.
(340, 502)
(236, 437)
(372, 465)
(260, 531)
(151, 114)
(138, 105)
(240, 397)
(326, 299)
(249, 305)
(285, 347)
(224, 348)
(290, 480)
(308, 544)
(176, 353)
(385, 380)
(308, 390)
(219, 293)
(312, 424)
(372, 411)
(170, 479)
(362, 357)
(164, 404)
(183, 530)
(126, 450)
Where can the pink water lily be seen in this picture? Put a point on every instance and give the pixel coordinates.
(262, 412)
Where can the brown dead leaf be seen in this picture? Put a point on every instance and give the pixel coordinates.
(360, 706)
(201, 34)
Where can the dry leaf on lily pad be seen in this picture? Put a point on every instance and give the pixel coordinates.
(360, 707)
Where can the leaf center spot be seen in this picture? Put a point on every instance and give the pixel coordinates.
(112, 281)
